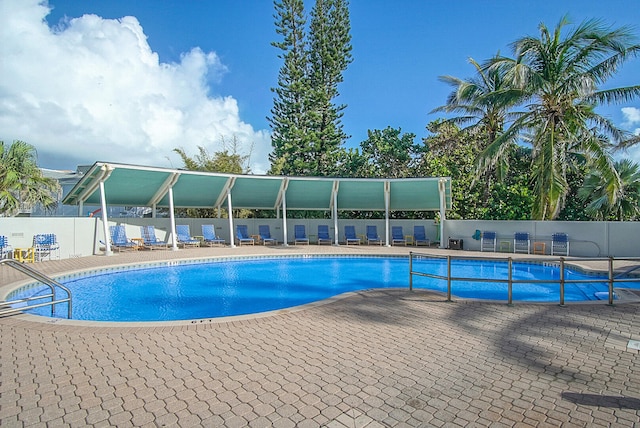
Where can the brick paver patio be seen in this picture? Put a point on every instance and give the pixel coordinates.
(373, 359)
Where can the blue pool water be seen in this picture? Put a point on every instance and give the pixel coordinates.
(235, 287)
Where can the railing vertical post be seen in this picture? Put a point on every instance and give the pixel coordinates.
(449, 279)
(561, 281)
(510, 282)
(410, 270)
(610, 281)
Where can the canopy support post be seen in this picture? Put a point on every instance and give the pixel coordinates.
(174, 238)
(334, 213)
(105, 225)
(230, 209)
(442, 186)
(387, 202)
(284, 219)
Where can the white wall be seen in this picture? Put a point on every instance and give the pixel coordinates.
(82, 236)
(587, 239)
(76, 235)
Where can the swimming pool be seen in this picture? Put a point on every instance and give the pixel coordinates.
(225, 287)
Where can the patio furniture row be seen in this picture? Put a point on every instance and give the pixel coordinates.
(149, 240)
(522, 243)
(45, 245)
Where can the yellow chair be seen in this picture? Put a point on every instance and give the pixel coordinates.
(23, 255)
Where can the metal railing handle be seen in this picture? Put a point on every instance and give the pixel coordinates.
(49, 282)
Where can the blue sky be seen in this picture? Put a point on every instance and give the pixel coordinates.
(399, 49)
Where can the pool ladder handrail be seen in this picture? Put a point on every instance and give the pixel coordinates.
(6, 307)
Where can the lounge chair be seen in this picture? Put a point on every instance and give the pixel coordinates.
(209, 236)
(300, 235)
(150, 240)
(119, 240)
(350, 235)
(372, 236)
(265, 235)
(488, 241)
(184, 236)
(242, 235)
(521, 242)
(5, 249)
(397, 236)
(323, 235)
(560, 244)
(420, 236)
(44, 245)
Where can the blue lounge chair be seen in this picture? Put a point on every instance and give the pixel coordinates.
(420, 237)
(372, 236)
(350, 235)
(488, 241)
(5, 249)
(265, 235)
(397, 236)
(560, 244)
(323, 235)
(184, 236)
(119, 240)
(300, 235)
(150, 240)
(521, 242)
(209, 236)
(242, 235)
(46, 245)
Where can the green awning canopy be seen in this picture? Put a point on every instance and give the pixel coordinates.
(131, 185)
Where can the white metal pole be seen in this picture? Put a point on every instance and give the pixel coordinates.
(334, 214)
(172, 216)
(387, 197)
(441, 189)
(284, 219)
(230, 209)
(105, 225)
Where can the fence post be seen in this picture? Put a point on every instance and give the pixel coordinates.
(449, 279)
(410, 270)
(610, 281)
(510, 282)
(561, 281)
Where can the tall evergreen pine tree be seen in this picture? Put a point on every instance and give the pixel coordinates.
(307, 133)
(329, 56)
(288, 116)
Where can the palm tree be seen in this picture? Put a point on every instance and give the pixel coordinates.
(558, 79)
(483, 103)
(21, 181)
(605, 201)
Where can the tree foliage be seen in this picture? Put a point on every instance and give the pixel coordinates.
(22, 184)
(307, 133)
(227, 161)
(608, 201)
(390, 154)
(289, 121)
(558, 77)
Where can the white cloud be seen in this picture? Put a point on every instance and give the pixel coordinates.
(93, 90)
(631, 115)
(631, 119)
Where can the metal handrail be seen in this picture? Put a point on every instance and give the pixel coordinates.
(611, 279)
(51, 283)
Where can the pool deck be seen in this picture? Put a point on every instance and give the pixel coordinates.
(371, 359)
